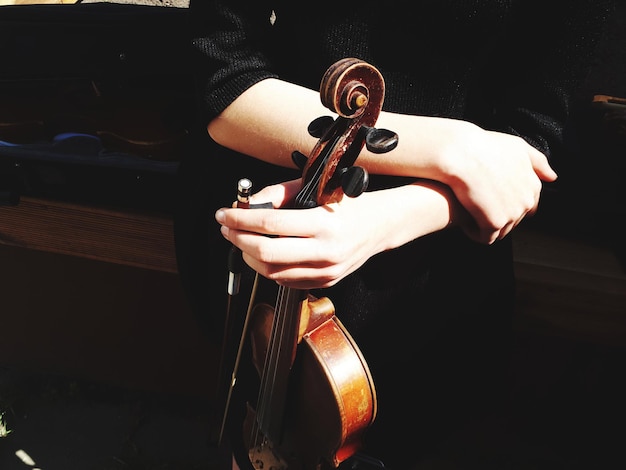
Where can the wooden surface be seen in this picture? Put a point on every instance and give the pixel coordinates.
(114, 236)
(570, 287)
(101, 321)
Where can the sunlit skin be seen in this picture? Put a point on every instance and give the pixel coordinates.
(482, 181)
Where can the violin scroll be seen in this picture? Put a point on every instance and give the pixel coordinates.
(347, 85)
(354, 90)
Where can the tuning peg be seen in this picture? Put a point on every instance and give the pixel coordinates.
(380, 140)
(299, 159)
(354, 180)
(320, 125)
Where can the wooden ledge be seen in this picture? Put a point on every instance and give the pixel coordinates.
(114, 236)
(569, 287)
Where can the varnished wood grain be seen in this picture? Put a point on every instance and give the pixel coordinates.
(115, 236)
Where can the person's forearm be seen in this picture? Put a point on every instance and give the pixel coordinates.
(270, 119)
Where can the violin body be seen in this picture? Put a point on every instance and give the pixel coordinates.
(331, 396)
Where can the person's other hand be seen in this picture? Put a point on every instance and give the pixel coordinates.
(317, 247)
(498, 179)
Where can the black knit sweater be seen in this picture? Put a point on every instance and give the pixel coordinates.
(432, 317)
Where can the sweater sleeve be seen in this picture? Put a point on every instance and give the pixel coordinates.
(229, 37)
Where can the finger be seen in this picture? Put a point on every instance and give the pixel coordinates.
(276, 195)
(301, 276)
(508, 228)
(279, 195)
(542, 167)
(284, 222)
(306, 284)
(278, 250)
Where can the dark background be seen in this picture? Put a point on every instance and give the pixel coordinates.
(102, 366)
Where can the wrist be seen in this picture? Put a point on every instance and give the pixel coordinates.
(405, 213)
(433, 148)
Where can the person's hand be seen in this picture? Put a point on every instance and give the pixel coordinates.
(300, 248)
(317, 247)
(497, 178)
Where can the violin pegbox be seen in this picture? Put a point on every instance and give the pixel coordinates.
(354, 90)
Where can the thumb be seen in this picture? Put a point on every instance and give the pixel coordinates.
(542, 167)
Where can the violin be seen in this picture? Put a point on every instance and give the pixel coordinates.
(316, 395)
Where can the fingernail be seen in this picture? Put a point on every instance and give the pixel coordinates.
(220, 216)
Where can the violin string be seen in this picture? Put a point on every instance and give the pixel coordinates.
(285, 320)
(267, 377)
(313, 183)
(305, 193)
(255, 432)
(285, 328)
